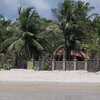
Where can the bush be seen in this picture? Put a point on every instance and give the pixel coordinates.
(0, 66)
(6, 66)
(47, 66)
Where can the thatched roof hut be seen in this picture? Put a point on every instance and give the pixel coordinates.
(75, 54)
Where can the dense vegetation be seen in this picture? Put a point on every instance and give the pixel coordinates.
(75, 28)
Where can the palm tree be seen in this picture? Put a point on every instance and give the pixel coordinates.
(94, 41)
(72, 17)
(51, 37)
(23, 44)
(4, 34)
(28, 20)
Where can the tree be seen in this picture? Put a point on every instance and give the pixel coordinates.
(73, 19)
(94, 41)
(29, 20)
(23, 44)
(50, 37)
(4, 34)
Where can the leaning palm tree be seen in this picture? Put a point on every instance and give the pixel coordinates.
(50, 37)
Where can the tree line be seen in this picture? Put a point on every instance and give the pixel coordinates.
(75, 27)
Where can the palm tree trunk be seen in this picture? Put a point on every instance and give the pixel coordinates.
(67, 45)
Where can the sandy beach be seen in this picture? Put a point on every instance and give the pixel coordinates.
(49, 85)
(21, 75)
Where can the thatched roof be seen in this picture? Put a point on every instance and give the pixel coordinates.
(74, 53)
(79, 54)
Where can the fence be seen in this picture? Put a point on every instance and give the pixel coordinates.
(90, 65)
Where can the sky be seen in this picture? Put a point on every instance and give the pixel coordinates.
(9, 7)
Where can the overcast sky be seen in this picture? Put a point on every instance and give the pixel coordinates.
(9, 7)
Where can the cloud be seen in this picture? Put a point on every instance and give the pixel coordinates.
(9, 7)
(42, 7)
(40, 4)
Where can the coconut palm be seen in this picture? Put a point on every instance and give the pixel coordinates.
(23, 44)
(28, 19)
(72, 17)
(50, 37)
(4, 34)
(94, 41)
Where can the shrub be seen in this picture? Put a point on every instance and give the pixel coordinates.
(47, 66)
(1, 66)
(7, 66)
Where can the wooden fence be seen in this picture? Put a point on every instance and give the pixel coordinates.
(89, 65)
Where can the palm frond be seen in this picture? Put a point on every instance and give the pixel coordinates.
(37, 45)
(11, 47)
(29, 34)
(19, 45)
(7, 42)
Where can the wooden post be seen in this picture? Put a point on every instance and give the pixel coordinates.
(53, 64)
(86, 65)
(75, 64)
(30, 64)
(64, 64)
(42, 66)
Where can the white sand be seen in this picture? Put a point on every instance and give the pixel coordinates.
(21, 75)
